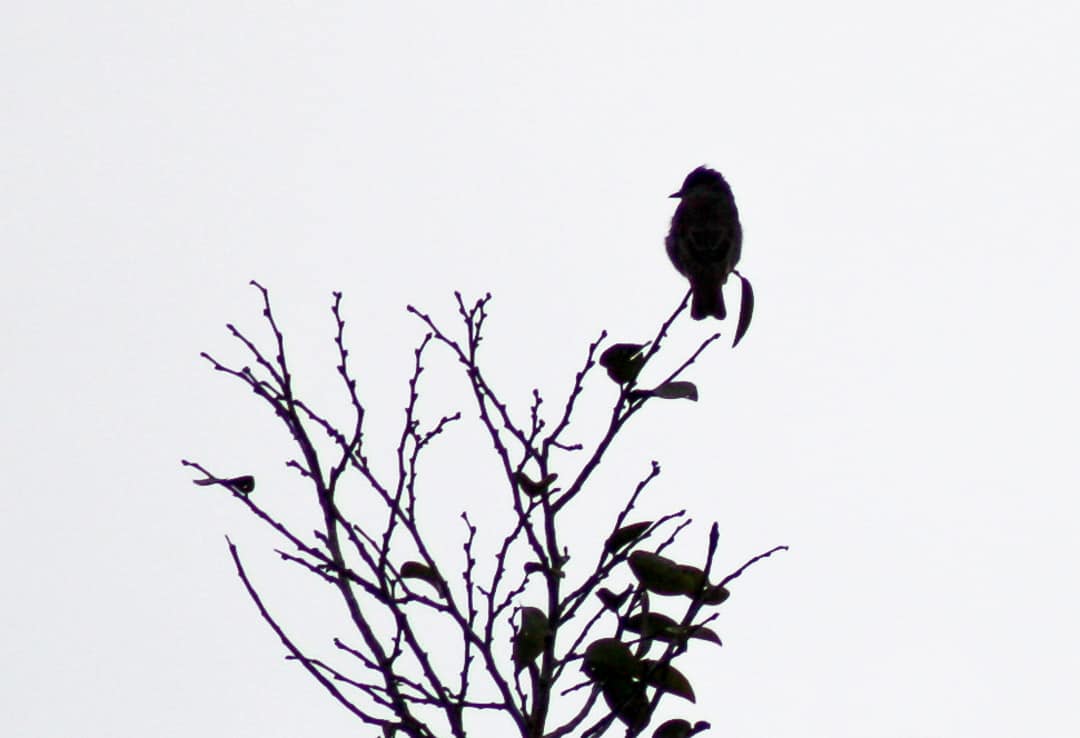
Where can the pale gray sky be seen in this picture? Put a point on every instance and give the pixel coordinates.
(902, 413)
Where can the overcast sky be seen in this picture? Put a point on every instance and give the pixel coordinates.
(902, 412)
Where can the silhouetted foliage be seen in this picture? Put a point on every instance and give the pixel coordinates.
(390, 679)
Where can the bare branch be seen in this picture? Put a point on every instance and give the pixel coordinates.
(296, 653)
(387, 596)
(738, 572)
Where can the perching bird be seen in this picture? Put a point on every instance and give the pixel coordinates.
(705, 240)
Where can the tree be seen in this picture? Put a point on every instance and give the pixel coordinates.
(564, 621)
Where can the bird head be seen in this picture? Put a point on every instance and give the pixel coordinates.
(702, 181)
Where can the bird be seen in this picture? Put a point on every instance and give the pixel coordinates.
(705, 240)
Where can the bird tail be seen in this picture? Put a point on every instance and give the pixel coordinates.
(708, 300)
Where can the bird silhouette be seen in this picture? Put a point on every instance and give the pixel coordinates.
(705, 240)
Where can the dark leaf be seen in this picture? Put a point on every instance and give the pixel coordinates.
(532, 567)
(705, 634)
(611, 600)
(662, 628)
(608, 659)
(677, 728)
(626, 534)
(623, 361)
(746, 310)
(668, 678)
(695, 575)
(531, 488)
(244, 485)
(627, 700)
(715, 594)
(531, 638)
(417, 570)
(664, 576)
(676, 391)
(653, 625)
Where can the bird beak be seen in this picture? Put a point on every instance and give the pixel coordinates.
(676, 194)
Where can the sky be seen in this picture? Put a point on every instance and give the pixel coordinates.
(902, 413)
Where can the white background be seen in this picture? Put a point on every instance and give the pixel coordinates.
(902, 413)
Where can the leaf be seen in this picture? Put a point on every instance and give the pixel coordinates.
(696, 575)
(627, 700)
(662, 628)
(611, 600)
(705, 634)
(677, 728)
(531, 488)
(668, 678)
(417, 570)
(715, 594)
(624, 535)
(653, 625)
(623, 361)
(529, 641)
(668, 391)
(676, 391)
(610, 659)
(533, 567)
(664, 576)
(746, 310)
(244, 485)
